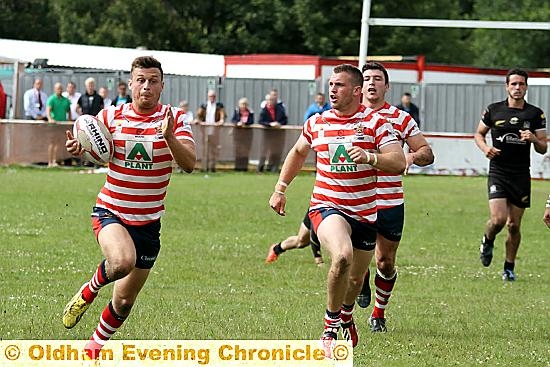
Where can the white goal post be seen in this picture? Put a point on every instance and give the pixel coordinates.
(366, 21)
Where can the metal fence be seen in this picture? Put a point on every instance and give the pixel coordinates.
(444, 107)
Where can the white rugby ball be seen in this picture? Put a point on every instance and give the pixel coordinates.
(95, 139)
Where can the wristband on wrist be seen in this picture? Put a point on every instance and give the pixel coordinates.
(548, 203)
(368, 154)
(375, 162)
(282, 183)
(279, 192)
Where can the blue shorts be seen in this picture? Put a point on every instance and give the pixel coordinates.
(363, 234)
(146, 238)
(390, 222)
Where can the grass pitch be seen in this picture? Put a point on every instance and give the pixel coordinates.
(210, 281)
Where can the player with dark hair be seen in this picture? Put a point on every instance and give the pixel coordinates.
(148, 137)
(351, 142)
(389, 191)
(514, 125)
(301, 240)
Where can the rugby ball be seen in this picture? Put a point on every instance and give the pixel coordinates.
(95, 139)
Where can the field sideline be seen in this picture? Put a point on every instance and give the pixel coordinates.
(210, 281)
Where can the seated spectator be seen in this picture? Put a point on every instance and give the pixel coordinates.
(34, 102)
(122, 96)
(243, 117)
(319, 106)
(272, 116)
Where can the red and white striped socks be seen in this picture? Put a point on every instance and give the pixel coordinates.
(108, 325)
(332, 322)
(98, 281)
(384, 287)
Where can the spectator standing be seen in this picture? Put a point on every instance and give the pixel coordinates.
(188, 118)
(211, 115)
(73, 96)
(272, 117)
(242, 118)
(122, 96)
(104, 93)
(90, 103)
(58, 109)
(319, 106)
(3, 102)
(34, 102)
(407, 106)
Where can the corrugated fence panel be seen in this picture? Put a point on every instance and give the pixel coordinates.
(443, 107)
(457, 107)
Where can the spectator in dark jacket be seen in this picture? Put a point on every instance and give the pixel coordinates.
(90, 102)
(407, 106)
(243, 117)
(272, 116)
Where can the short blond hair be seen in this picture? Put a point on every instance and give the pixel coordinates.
(89, 81)
(244, 101)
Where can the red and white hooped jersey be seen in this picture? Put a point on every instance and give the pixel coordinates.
(140, 169)
(389, 188)
(340, 183)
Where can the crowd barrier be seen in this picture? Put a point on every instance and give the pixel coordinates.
(247, 148)
(26, 142)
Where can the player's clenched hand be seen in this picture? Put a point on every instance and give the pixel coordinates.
(357, 154)
(168, 123)
(72, 145)
(277, 202)
(527, 135)
(492, 152)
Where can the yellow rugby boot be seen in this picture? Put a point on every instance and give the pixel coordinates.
(75, 309)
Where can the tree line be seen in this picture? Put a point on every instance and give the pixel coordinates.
(311, 27)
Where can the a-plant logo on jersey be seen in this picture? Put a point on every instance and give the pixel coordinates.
(139, 155)
(340, 161)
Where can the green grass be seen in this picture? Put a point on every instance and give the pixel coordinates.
(210, 281)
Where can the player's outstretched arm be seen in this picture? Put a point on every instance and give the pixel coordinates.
(293, 163)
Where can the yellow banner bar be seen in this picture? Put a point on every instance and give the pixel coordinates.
(181, 353)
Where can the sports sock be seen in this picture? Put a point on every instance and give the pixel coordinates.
(332, 321)
(278, 249)
(509, 266)
(346, 314)
(366, 286)
(488, 241)
(99, 280)
(384, 287)
(316, 249)
(108, 324)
